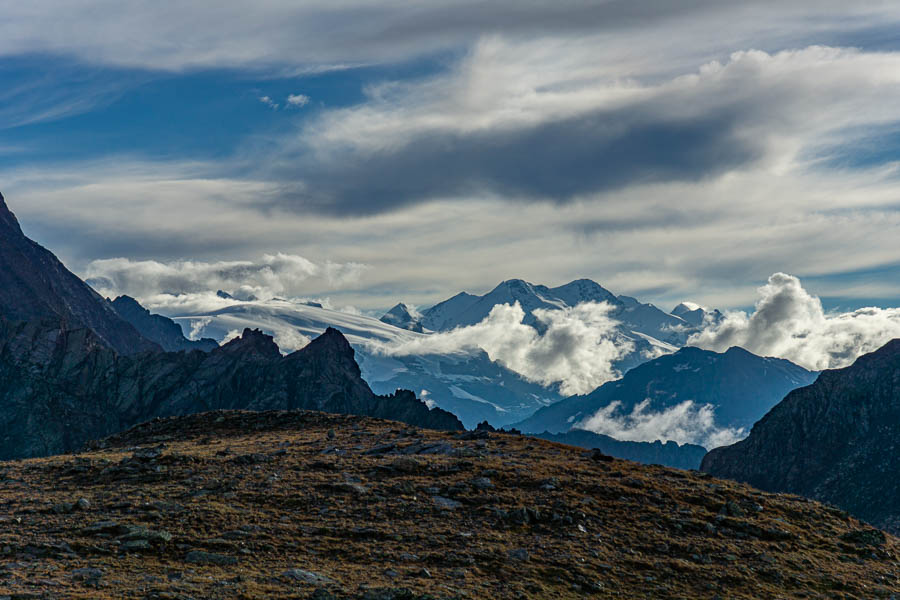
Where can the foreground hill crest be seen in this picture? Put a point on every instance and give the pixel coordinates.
(300, 504)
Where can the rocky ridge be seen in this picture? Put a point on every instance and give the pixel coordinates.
(59, 388)
(36, 286)
(158, 328)
(835, 440)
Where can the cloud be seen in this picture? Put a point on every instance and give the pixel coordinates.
(541, 121)
(577, 350)
(317, 34)
(268, 102)
(274, 275)
(298, 100)
(790, 323)
(685, 423)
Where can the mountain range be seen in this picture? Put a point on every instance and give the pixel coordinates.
(740, 386)
(464, 381)
(63, 382)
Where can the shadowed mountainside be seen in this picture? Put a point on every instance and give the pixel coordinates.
(739, 385)
(59, 388)
(35, 286)
(158, 328)
(837, 440)
(670, 454)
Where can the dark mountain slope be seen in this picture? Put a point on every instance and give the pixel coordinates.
(837, 440)
(741, 386)
(670, 454)
(59, 388)
(34, 285)
(157, 328)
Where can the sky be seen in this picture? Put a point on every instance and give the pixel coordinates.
(378, 152)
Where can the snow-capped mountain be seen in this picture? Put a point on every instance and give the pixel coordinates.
(671, 329)
(404, 317)
(467, 383)
(464, 381)
(695, 314)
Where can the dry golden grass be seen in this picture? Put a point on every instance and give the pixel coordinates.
(275, 492)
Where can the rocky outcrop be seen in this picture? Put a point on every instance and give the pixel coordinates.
(158, 328)
(34, 285)
(59, 387)
(837, 440)
(669, 454)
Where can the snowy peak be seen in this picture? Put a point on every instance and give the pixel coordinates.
(695, 314)
(404, 317)
(636, 318)
(583, 290)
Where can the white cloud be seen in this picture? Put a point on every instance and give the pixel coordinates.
(685, 423)
(790, 323)
(197, 326)
(268, 102)
(577, 350)
(274, 275)
(298, 100)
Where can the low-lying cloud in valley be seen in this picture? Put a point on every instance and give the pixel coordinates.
(788, 322)
(685, 423)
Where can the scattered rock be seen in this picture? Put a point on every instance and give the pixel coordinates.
(446, 503)
(307, 577)
(865, 537)
(518, 554)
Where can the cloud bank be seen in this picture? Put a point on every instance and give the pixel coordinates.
(790, 323)
(577, 350)
(685, 423)
(574, 127)
(274, 275)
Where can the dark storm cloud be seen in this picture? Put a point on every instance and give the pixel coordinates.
(556, 161)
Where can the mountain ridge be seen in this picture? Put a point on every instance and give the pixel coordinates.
(834, 441)
(35, 285)
(741, 386)
(157, 328)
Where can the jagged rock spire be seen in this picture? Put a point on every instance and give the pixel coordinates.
(7, 219)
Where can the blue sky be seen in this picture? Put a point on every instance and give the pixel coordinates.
(669, 151)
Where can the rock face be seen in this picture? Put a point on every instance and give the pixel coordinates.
(837, 440)
(741, 387)
(297, 504)
(59, 388)
(157, 328)
(670, 454)
(34, 285)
